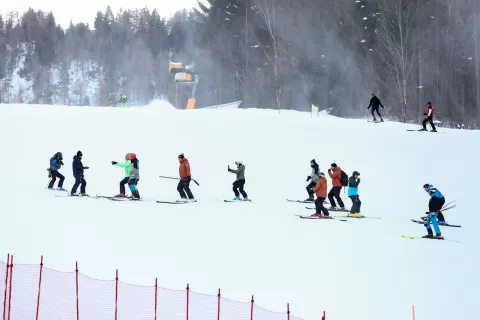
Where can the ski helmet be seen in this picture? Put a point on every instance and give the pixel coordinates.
(127, 156)
(133, 156)
(426, 186)
(79, 154)
(59, 156)
(239, 162)
(355, 173)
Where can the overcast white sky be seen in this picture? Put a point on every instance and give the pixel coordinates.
(85, 10)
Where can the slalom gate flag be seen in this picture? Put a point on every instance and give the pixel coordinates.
(314, 110)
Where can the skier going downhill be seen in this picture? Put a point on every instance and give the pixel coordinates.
(429, 118)
(375, 103)
(125, 180)
(353, 183)
(56, 163)
(240, 181)
(78, 168)
(313, 178)
(185, 177)
(437, 200)
(321, 192)
(335, 173)
(134, 176)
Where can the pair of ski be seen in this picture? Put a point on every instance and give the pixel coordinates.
(446, 207)
(321, 218)
(425, 131)
(305, 201)
(419, 238)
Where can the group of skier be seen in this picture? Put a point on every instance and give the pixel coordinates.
(132, 176)
(318, 186)
(375, 104)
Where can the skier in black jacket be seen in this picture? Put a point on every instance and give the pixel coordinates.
(78, 168)
(375, 103)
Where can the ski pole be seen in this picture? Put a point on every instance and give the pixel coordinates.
(172, 178)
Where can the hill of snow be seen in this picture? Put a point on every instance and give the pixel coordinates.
(360, 269)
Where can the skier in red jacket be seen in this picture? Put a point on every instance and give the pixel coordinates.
(429, 118)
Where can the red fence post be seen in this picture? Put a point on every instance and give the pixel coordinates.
(76, 288)
(413, 312)
(116, 295)
(218, 314)
(156, 298)
(288, 311)
(39, 285)
(10, 294)
(324, 318)
(251, 308)
(6, 285)
(188, 298)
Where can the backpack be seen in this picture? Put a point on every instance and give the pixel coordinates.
(344, 179)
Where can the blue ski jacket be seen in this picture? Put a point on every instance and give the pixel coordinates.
(54, 164)
(434, 192)
(353, 186)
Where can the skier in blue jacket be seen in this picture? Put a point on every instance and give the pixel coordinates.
(437, 200)
(353, 183)
(56, 163)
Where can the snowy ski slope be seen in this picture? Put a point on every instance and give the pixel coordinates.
(356, 270)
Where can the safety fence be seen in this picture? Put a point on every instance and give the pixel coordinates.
(33, 292)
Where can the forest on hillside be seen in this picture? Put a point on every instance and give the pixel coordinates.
(280, 54)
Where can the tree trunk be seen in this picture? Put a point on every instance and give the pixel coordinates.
(477, 58)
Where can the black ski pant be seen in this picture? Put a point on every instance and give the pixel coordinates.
(238, 186)
(79, 181)
(428, 119)
(184, 187)
(335, 192)
(123, 183)
(320, 208)
(56, 174)
(356, 204)
(310, 187)
(378, 111)
(434, 205)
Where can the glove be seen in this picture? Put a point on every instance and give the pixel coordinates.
(424, 114)
(358, 179)
(86, 168)
(308, 178)
(228, 168)
(61, 162)
(114, 163)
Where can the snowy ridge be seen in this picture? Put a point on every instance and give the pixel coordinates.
(360, 269)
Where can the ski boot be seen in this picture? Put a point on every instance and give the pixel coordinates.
(429, 235)
(423, 129)
(309, 199)
(246, 199)
(237, 198)
(61, 189)
(120, 195)
(433, 130)
(51, 189)
(316, 215)
(84, 195)
(354, 215)
(438, 236)
(381, 119)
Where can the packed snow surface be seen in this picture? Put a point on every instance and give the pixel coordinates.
(360, 269)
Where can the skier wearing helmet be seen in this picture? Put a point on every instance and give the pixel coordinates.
(240, 181)
(314, 176)
(183, 187)
(126, 165)
(56, 163)
(437, 200)
(134, 177)
(353, 183)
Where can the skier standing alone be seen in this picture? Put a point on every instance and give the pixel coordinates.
(313, 178)
(240, 182)
(429, 118)
(125, 180)
(335, 172)
(56, 163)
(78, 168)
(185, 177)
(353, 183)
(321, 192)
(375, 103)
(437, 200)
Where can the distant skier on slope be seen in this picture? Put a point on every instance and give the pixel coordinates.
(134, 176)
(375, 103)
(313, 178)
(240, 181)
(77, 167)
(321, 193)
(335, 173)
(429, 118)
(56, 162)
(434, 205)
(125, 180)
(353, 183)
(185, 177)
